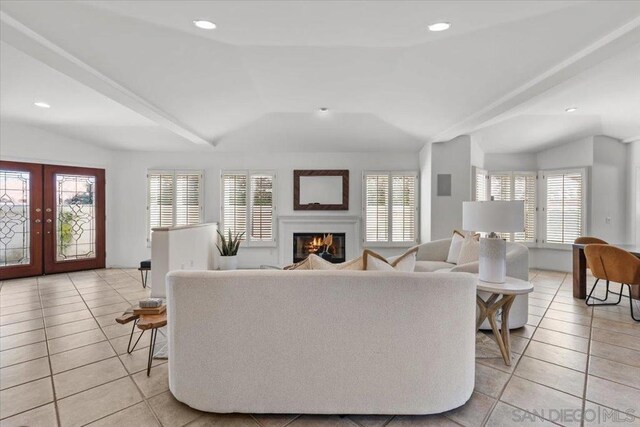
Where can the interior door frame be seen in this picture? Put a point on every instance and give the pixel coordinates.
(51, 264)
(35, 267)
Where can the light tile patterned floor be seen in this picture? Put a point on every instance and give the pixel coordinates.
(63, 362)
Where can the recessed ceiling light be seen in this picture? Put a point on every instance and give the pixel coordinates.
(439, 26)
(205, 25)
(323, 110)
(571, 109)
(41, 104)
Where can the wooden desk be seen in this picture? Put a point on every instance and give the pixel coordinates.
(580, 270)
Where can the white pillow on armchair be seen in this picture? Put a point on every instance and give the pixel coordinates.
(469, 250)
(456, 245)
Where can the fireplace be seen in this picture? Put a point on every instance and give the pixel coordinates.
(305, 244)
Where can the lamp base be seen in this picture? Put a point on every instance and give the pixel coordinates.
(493, 260)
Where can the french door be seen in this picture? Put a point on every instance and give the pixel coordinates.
(52, 219)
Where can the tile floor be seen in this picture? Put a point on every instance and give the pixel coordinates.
(63, 362)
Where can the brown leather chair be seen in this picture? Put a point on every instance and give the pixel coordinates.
(616, 265)
(588, 240)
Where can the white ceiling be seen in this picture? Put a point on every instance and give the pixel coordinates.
(78, 111)
(138, 75)
(607, 97)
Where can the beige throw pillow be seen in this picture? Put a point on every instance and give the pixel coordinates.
(314, 262)
(470, 250)
(319, 263)
(406, 262)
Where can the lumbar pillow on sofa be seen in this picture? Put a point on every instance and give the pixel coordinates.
(405, 262)
(319, 263)
(470, 250)
(456, 245)
(315, 262)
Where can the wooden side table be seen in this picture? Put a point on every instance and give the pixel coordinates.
(144, 322)
(502, 296)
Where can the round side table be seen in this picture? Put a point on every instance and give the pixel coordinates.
(501, 297)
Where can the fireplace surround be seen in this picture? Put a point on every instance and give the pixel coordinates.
(318, 224)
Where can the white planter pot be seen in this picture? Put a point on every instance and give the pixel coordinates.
(228, 262)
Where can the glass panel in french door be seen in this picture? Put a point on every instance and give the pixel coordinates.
(15, 234)
(75, 219)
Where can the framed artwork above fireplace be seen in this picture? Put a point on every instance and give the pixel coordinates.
(321, 190)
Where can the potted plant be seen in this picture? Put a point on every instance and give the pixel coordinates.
(228, 249)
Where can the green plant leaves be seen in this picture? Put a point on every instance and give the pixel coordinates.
(229, 244)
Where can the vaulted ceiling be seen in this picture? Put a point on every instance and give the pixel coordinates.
(138, 75)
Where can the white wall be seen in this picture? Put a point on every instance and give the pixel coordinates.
(129, 187)
(608, 216)
(127, 192)
(425, 192)
(23, 143)
(609, 194)
(570, 155)
(451, 157)
(633, 193)
(510, 162)
(477, 155)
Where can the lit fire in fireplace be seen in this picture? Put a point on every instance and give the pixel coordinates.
(329, 246)
(320, 244)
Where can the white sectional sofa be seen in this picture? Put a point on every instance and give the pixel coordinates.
(432, 257)
(321, 342)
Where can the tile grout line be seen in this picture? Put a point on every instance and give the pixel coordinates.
(497, 399)
(512, 374)
(586, 377)
(559, 290)
(53, 386)
(129, 374)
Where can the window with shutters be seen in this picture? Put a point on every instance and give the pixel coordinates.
(561, 202)
(390, 208)
(174, 198)
(564, 207)
(524, 188)
(248, 206)
(510, 186)
(481, 184)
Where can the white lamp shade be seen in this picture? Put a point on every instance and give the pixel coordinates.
(493, 216)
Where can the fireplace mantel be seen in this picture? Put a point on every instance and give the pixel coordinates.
(287, 225)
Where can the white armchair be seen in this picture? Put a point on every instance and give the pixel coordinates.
(432, 257)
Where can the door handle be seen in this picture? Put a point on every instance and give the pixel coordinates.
(38, 221)
(48, 220)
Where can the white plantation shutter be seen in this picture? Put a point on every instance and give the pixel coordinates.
(481, 185)
(564, 195)
(377, 208)
(507, 186)
(261, 208)
(174, 198)
(234, 203)
(500, 189)
(500, 186)
(188, 205)
(248, 206)
(160, 199)
(403, 208)
(390, 207)
(524, 188)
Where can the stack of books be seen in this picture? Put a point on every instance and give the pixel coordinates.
(150, 306)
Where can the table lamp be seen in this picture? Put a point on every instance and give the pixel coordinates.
(492, 217)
